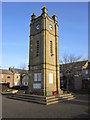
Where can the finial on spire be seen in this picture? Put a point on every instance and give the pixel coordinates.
(54, 12)
(44, 10)
(54, 17)
(33, 16)
(33, 13)
(44, 5)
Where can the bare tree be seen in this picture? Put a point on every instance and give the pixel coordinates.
(65, 58)
(23, 66)
(68, 66)
(70, 58)
(69, 61)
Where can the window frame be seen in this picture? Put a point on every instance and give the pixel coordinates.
(51, 47)
(8, 76)
(2, 76)
(37, 77)
(86, 72)
(38, 46)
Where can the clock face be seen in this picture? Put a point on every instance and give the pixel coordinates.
(37, 26)
(50, 27)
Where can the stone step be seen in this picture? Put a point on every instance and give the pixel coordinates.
(66, 95)
(29, 97)
(65, 99)
(41, 99)
(71, 98)
(35, 99)
(28, 100)
(53, 99)
(53, 102)
(50, 97)
(36, 96)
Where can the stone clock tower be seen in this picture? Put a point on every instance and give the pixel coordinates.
(44, 54)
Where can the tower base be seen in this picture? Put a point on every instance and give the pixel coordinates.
(45, 93)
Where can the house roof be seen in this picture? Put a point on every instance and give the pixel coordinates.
(19, 71)
(4, 71)
(76, 65)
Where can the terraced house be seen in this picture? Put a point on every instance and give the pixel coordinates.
(79, 76)
(6, 76)
(20, 76)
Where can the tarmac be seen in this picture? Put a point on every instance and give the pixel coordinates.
(77, 108)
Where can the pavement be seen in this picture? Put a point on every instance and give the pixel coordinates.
(68, 109)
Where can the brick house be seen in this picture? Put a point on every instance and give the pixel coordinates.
(6, 76)
(78, 76)
(19, 75)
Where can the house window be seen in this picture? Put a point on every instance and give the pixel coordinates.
(79, 72)
(86, 72)
(51, 78)
(2, 76)
(51, 48)
(37, 77)
(25, 83)
(8, 76)
(16, 83)
(37, 48)
(61, 74)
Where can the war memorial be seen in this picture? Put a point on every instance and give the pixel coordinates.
(44, 54)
